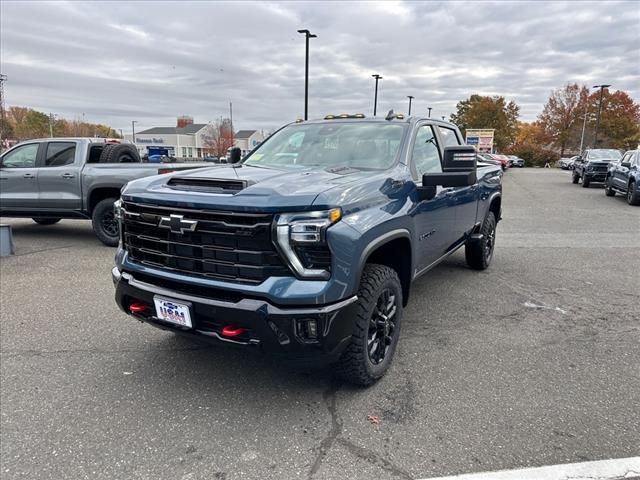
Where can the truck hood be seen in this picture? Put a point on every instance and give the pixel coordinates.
(247, 188)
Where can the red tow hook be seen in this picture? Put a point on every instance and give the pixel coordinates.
(138, 308)
(233, 331)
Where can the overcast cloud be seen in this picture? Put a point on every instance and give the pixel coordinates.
(151, 61)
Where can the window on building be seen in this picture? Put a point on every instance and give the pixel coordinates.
(190, 152)
(184, 151)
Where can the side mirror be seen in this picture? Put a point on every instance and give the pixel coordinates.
(453, 179)
(460, 158)
(626, 164)
(234, 155)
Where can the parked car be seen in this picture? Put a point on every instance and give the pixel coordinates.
(516, 161)
(503, 159)
(308, 255)
(592, 165)
(624, 177)
(487, 158)
(53, 178)
(566, 163)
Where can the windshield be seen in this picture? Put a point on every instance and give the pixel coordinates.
(603, 154)
(364, 146)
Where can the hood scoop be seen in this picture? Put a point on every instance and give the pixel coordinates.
(208, 185)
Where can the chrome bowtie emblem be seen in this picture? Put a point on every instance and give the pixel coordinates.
(178, 224)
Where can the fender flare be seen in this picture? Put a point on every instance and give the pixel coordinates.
(378, 242)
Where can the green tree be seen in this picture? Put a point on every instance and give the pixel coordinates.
(489, 112)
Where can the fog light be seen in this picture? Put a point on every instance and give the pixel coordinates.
(307, 329)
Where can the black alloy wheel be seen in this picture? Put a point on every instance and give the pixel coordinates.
(382, 326)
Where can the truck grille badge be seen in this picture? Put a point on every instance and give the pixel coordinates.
(178, 224)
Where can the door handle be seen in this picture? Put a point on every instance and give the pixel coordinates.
(68, 175)
(28, 175)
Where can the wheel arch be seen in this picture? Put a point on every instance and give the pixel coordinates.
(394, 250)
(100, 193)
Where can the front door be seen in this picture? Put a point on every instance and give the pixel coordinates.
(59, 177)
(434, 219)
(19, 178)
(464, 199)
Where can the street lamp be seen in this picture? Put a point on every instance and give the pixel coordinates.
(307, 35)
(429, 108)
(375, 98)
(410, 97)
(133, 131)
(584, 124)
(601, 87)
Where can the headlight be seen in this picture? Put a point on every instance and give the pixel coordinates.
(301, 231)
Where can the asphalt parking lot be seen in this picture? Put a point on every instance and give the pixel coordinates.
(532, 362)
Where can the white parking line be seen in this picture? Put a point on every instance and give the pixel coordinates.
(616, 468)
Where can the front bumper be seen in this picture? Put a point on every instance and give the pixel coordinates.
(275, 330)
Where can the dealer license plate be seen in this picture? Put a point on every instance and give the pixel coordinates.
(173, 312)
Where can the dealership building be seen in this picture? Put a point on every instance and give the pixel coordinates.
(187, 140)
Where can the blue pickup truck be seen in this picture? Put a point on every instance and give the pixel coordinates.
(624, 177)
(307, 248)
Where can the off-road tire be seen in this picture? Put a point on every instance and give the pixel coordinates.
(101, 219)
(480, 253)
(574, 178)
(632, 195)
(585, 181)
(45, 221)
(355, 365)
(608, 191)
(119, 153)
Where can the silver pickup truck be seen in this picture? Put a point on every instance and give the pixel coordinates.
(54, 178)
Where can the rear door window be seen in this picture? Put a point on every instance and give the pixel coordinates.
(60, 154)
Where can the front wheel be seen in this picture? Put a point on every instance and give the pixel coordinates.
(575, 178)
(633, 198)
(585, 181)
(479, 253)
(377, 327)
(104, 223)
(45, 221)
(608, 191)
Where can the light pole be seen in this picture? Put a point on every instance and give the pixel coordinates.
(410, 97)
(133, 131)
(584, 124)
(52, 119)
(429, 108)
(601, 87)
(307, 35)
(375, 98)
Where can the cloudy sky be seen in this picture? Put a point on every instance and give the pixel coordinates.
(151, 61)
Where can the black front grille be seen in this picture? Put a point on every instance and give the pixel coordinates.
(223, 245)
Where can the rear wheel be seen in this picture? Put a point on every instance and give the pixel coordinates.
(480, 253)
(104, 223)
(377, 327)
(633, 198)
(45, 221)
(608, 191)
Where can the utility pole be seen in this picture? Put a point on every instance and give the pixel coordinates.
(595, 138)
(429, 108)
(410, 97)
(133, 131)
(375, 98)
(307, 35)
(231, 121)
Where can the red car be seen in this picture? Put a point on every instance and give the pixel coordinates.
(503, 159)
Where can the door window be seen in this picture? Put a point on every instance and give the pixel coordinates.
(21, 157)
(60, 154)
(426, 155)
(449, 137)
